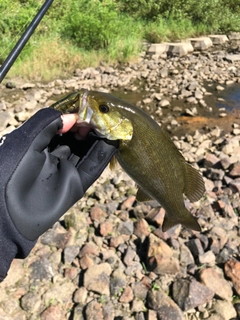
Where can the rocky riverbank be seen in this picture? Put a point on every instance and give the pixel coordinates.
(107, 258)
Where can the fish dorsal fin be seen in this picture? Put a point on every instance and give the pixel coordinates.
(142, 196)
(187, 221)
(194, 186)
(113, 163)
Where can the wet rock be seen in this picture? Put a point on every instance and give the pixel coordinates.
(164, 103)
(214, 280)
(166, 308)
(97, 278)
(232, 271)
(189, 294)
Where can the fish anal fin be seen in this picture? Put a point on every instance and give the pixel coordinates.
(194, 186)
(188, 221)
(142, 196)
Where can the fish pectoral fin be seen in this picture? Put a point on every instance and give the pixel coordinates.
(188, 221)
(113, 163)
(194, 187)
(142, 196)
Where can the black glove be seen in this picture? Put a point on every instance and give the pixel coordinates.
(41, 178)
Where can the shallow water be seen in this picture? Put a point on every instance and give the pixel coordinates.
(206, 118)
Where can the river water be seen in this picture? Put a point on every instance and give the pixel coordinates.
(223, 109)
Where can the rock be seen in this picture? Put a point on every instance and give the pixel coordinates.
(106, 228)
(129, 256)
(52, 313)
(232, 271)
(157, 48)
(207, 258)
(214, 280)
(41, 270)
(225, 309)
(141, 229)
(232, 57)
(235, 170)
(97, 214)
(93, 311)
(27, 85)
(201, 43)
(140, 290)
(70, 253)
(5, 117)
(210, 160)
(60, 293)
(80, 295)
(31, 302)
(179, 49)
(166, 308)
(189, 294)
(126, 228)
(218, 38)
(127, 295)
(195, 247)
(164, 103)
(220, 88)
(160, 257)
(96, 278)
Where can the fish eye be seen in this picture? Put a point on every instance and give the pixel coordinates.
(104, 108)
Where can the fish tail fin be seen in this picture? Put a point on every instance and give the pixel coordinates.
(186, 219)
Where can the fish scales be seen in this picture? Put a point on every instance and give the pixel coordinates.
(146, 153)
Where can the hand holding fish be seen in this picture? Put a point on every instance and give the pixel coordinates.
(42, 175)
(145, 152)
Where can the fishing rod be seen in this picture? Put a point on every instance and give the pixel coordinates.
(23, 40)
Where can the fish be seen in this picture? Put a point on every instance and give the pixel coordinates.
(146, 153)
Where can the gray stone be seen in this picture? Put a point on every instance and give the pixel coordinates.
(166, 308)
(218, 38)
(179, 49)
(189, 294)
(157, 48)
(201, 43)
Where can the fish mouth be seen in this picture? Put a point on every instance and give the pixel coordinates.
(85, 114)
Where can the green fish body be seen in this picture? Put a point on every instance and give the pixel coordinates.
(147, 154)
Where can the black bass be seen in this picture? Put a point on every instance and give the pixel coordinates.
(146, 153)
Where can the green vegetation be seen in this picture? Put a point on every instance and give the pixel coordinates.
(82, 33)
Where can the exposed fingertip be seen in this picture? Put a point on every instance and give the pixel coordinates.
(68, 121)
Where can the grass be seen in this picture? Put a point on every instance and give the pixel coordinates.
(83, 33)
(52, 58)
